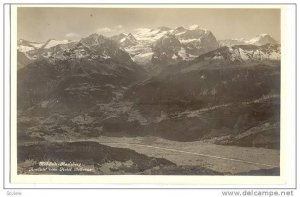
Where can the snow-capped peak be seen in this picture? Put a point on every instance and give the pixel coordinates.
(197, 27)
(259, 40)
(262, 39)
(25, 46)
(126, 40)
(131, 37)
(52, 42)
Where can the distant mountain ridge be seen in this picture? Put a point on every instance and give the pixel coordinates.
(93, 47)
(152, 48)
(259, 40)
(148, 44)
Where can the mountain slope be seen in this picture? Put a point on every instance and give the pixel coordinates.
(93, 87)
(22, 60)
(218, 94)
(92, 71)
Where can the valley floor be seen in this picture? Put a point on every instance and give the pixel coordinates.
(220, 158)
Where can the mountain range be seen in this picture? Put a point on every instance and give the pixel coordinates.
(180, 84)
(259, 40)
(151, 48)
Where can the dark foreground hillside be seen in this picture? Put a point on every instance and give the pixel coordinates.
(93, 158)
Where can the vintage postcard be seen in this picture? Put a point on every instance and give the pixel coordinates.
(180, 92)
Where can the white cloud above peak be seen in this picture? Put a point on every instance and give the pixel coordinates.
(72, 36)
(110, 31)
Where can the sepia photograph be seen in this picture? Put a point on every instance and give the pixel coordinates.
(148, 91)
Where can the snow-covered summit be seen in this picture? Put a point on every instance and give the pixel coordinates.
(262, 39)
(194, 27)
(148, 47)
(193, 42)
(52, 42)
(258, 40)
(25, 46)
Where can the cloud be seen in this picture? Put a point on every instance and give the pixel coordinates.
(110, 31)
(141, 30)
(104, 30)
(72, 35)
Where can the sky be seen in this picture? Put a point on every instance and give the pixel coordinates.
(41, 23)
